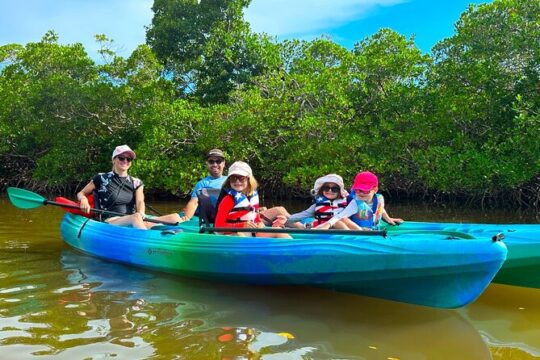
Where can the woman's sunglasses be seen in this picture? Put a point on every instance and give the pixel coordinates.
(212, 162)
(240, 178)
(334, 189)
(123, 158)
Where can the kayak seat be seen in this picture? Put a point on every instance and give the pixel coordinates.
(208, 199)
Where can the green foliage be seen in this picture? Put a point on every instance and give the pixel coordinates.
(461, 122)
(207, 47)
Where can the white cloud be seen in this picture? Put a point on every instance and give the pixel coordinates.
(288, 17)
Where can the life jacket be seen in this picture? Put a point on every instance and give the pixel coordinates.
(325, 208)
(369, 216)
(101, 194)
(245, 208)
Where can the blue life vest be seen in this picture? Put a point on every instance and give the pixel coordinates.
(368, 216)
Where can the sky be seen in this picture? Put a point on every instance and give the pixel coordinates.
(124, 21)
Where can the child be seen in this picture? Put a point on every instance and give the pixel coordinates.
(366, 207)
(330, 200)
(238, 203)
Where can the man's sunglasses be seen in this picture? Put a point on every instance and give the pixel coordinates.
(334, 189)
(123, 158)
(212, 162)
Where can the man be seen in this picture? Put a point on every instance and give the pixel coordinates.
(215, 162)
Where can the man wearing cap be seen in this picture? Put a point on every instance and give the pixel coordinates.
(215, 162)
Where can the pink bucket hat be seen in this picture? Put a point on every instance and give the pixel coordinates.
(365, 181)
(123, 149)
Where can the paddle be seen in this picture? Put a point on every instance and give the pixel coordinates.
(293, 231)
(383, 233)
(24, 199)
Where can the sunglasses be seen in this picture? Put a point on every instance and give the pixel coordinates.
(334, 189)
(212, 162)
(123, 158)
(362, 191)
(240, 178)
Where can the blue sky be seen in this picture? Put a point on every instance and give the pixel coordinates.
(345, 21)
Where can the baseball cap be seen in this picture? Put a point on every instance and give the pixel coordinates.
(240, 168)
(365, 181)
(123, 149)
(215, 152)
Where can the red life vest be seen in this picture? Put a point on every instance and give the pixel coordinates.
(245, 208)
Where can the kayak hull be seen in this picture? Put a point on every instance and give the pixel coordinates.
(522, 266)
(420, 269)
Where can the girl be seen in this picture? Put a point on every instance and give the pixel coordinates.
(238, 203)
(366, 208)
(119, 192)
(330, 200)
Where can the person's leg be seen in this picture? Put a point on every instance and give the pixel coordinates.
(269, 215)
(134, 220)
(273, 235)
(170, 218)
(351, 225)
(340, 225)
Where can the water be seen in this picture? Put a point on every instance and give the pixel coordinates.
(57, 303)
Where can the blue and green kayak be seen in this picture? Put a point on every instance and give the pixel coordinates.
(522, 266)
(431, 269)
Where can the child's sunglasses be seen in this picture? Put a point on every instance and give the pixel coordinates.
(363, 191)
(334, 189)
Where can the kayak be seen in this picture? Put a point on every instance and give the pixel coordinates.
(432, 269)
(522, 266)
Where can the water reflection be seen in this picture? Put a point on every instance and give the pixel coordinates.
(508, 317)
(207, 319)
(56, 302)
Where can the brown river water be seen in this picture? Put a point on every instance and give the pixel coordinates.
(58, 303)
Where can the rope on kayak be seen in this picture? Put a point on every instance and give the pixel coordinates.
(82, 227)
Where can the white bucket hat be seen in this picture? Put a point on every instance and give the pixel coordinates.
(123, 149)
(330, 178)
(240, 168)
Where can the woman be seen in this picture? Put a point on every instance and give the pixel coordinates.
(119, 192)
(238, 203)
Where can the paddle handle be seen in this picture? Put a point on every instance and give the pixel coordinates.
(99, 211)
(295, 231)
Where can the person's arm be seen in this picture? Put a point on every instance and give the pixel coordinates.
(81, 196)
(193, 203)
(309, 212)
(349, 211)
(391, 220)
(139, 201)
(190, 208)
